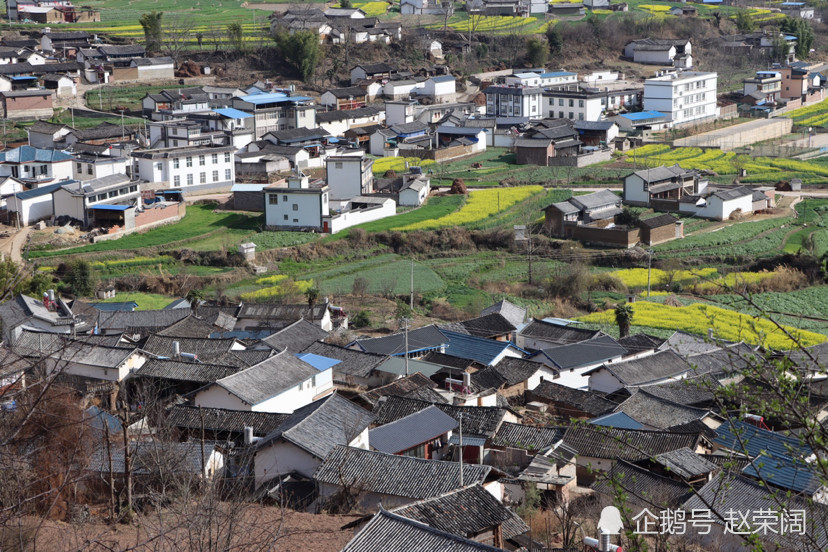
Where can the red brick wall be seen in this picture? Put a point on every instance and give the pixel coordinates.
(30, 102)
(150, 216)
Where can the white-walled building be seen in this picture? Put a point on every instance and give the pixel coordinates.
(685, 97)
(198, 167)
(337, 123)
(300, 206)
(80, 199)
(349, 176)
(33, 205)
(282, 383)
(88, 166)
(514, 101)
(36, 165)
(584, 105)
(442, 89)
(302, 442)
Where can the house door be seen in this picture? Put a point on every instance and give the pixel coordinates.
(325, 227)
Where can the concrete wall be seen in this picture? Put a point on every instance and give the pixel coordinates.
(661, 234)
(739, 135)
(582, 160)
(149, 218)
(351, 218)
(280, 458)
(445, 154)
(124, 74)
(534, 156)
(610, 237)
(248, 201)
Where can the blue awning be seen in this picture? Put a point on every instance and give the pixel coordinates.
(111, 207)
(169, 192)
(232, 113)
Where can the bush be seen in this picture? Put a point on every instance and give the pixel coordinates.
(569, 281)
(361, 319)
(81, 277)
(604, 281)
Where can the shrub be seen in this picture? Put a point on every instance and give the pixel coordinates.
(361, 319)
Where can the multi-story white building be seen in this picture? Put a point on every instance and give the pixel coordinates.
(301, 205)
(197, 167)
(685, 97)
(88, 166)
(36, 166)
(275, 111)
(349, 176)
(584, 105)
(514, 101)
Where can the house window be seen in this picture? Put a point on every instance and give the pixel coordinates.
(80, 167)
(202, 178)
(286, 217)
(177, 181)
(89, 169)
(560, 114)
(295, 206)
(580, 103)
(313, 381)
(202, 160)
(133, 189)
(338, 165)
(215, 158)
(273, 199)
(580, 116)
(284, 198)
(176, 163)
(571, 102)
(551, 102)
(571, 115)
(560, 102)
(227, 174)
(215, 176)
(189, 161)
(227, 157)
(189, 180)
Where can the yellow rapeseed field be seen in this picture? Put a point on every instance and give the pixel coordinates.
(726, 324)
(480, 205)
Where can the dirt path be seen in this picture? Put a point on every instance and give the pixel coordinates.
(18, 242)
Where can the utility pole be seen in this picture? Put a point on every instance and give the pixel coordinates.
(461, 450)
(404, 322)
(100, 97)
(411, 299)
(649, 269)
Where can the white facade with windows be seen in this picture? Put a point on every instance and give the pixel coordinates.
(514, 101)
(205, 167)
(297, 206)
(349, 176)
(684, 97)
(566, 105)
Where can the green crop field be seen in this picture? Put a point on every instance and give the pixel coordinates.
(758, 238)
(146, 301)
(811, 115)
(199, 221)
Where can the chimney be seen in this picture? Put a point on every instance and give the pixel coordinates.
(709, 333)
(248, 435)
(467, 380)
(176, 349)
(51, 295)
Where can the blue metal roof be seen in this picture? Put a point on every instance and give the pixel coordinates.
(792, 4)
(319, 362)
(480, 349)
(785, 473)
(642, 116)
(42, 190)
(111, 207)
(273, 97)
(23, 78)
(617, 420)
(557, 74)
(746, 438)
(25, 154)
(232, 113)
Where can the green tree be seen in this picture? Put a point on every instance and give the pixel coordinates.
(312, 294)
(804, 33)
(194, 297)
(81, 277)
(554, 40)
(361, 319)
(345, 4)
(744, 22)
(301, 49)
(623, 317)
(537, 52)
(235, 36)
(151, 23)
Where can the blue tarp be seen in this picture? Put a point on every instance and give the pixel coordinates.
(319, 362)
(111, 207)
(232, 113)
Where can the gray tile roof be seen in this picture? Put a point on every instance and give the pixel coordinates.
(659, 221)
(244, 359)
(401, 476)
(642, 487)
(659, 174)
(686, 344)
(321, 425)
(348, 92)
(733, 193)
(727, 492)
(526, 437)
(388, 532)
(401, 388)
(685, 463)
(596, 199)
(557, 334)
(688, 391)
(184, 371)
(189, 327)
(601, 348)
(149, 457)
(267, 379)
(477, 420)
(269, 311)
(579, 400)
(626, 444)
(297, 337)
(427, 337)
(345, 114)
(488, 325)
(657, 412)
(222, 420)
(515, 370)
(412, 430)
(466, 512)
(639, 343)
(208, 350)
(352, 363)
(640, 371)
(144, 322)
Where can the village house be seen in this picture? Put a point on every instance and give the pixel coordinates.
(305, 438)
(339, 123)
(542, 334)
(94, 202)
(662, 183)
(349, 98)
(277, 111)
(685, 97)
(597, 207)
(657, 51)
(571, 363)
(187, 167)
(514, 101)
(36, 166)
(282, 383)
(27, 104)
(371, 71)
(422, 434)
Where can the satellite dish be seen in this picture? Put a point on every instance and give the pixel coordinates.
(610, 521)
